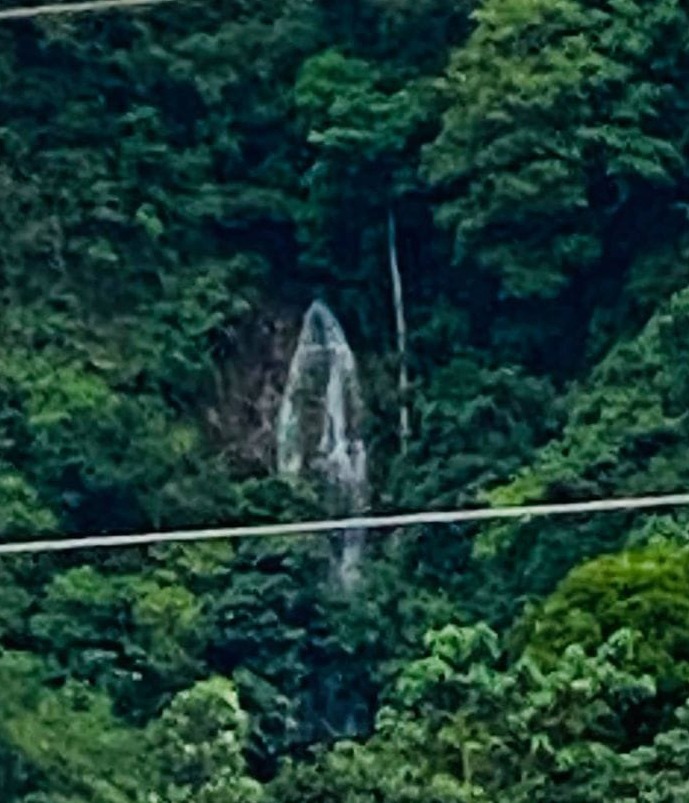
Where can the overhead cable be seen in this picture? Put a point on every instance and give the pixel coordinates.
(305, 528)
(55, 9)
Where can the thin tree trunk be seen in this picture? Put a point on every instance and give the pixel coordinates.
(401, 327)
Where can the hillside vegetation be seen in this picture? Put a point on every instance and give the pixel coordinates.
(177, 185)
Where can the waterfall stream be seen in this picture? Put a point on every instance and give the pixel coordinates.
(319, 428)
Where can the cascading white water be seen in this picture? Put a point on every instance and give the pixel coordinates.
(319, 426)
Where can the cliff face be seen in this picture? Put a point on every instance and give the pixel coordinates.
(249, 378)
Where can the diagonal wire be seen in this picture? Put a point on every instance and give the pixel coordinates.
(54, 9)
(304, 528)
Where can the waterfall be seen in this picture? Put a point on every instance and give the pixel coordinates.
(319, 428)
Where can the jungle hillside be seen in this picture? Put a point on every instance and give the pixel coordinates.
(492, 199)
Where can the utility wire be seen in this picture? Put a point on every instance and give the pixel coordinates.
(55, 9)
(304, 528)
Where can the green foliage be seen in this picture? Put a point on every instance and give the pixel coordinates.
(20, 509)
(461, 725)
(75, 751)
(476, 428)
(85, 445)
(365, 127)
(78, 752)
(198, 745)
(175, 186)
(643, 589)
(565, 129)
(129, 633)
(624, 435)
(350, 114)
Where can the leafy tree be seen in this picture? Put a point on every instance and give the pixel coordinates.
(641, 589)
(463, 726)
(568, 113)
(477, 427)
(624, 435)
(69, 745)
(197, 746)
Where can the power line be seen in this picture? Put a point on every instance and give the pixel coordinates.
(313, 527)
(304, 528)
(55, 9)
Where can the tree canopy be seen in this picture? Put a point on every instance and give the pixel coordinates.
(177, 185)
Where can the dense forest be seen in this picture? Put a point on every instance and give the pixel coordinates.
(178, 184)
